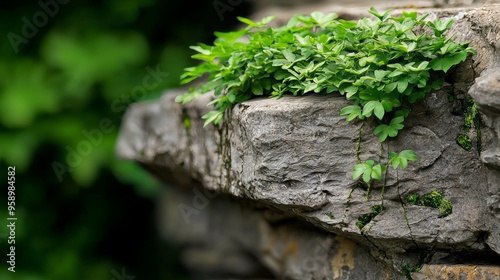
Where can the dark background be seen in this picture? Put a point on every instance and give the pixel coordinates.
(65, 68)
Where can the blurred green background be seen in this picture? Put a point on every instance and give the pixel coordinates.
(65, 68)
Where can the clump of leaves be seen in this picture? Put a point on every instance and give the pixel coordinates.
(436, 199)
(464, 141)
(413, 199)
(406, 270)
(366, 218)
(471, 115)
(377, 63)
(471, 121)
(368, 170)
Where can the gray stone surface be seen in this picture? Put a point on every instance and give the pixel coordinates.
(225, 239)
(486, 92)
(295, 156)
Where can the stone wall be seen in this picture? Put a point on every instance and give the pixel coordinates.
(269, 193)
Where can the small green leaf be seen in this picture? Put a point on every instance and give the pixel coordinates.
(377, 172)
(390, 87)
(402, 158)
(310, 87)
(212, 116)
(354, 111)
(375, 107)
(363, 169)
(352, 90)
(230, 37)
(288, 55)
(396, 123)
(390, 130)
(256, 88)
(402, 85)
(247, 21)
(423, 65)
(445, 63)
(266, 20)
(374, 12)
(409, 154)
(379, 110)
(380, 74)
(200, 49)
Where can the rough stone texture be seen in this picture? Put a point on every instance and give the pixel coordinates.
(445, 272)
(486, 92)
(295, 155)
(224, 239)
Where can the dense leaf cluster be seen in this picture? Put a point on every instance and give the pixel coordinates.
(377, 63)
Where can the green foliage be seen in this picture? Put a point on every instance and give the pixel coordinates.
(471, 115)
(471, 122)
(366, 218)
(402, 158)
(406, 270)
(376, 63)
(464, 141)
(436, 199)
(369, 170)
(413, 199)
(389, 130)
(425, 257)
(186, 122)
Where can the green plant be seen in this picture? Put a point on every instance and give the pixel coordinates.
(379, 64)
(413, 199)
(464, 141)
(471, 122)
(436, 199)
(406, 270)
(366, 218)
(425, 257)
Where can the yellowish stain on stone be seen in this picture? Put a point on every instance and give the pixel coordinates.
(292, 249)
(466, 272)
(344, 257)
(281, 245)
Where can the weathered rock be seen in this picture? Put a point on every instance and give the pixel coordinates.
(295, 156)
(445, 272)
(223, 238)
(486, 92)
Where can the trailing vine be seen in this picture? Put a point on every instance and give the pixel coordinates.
(380, 64)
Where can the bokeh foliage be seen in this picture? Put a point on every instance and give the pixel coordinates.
(70, 73)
